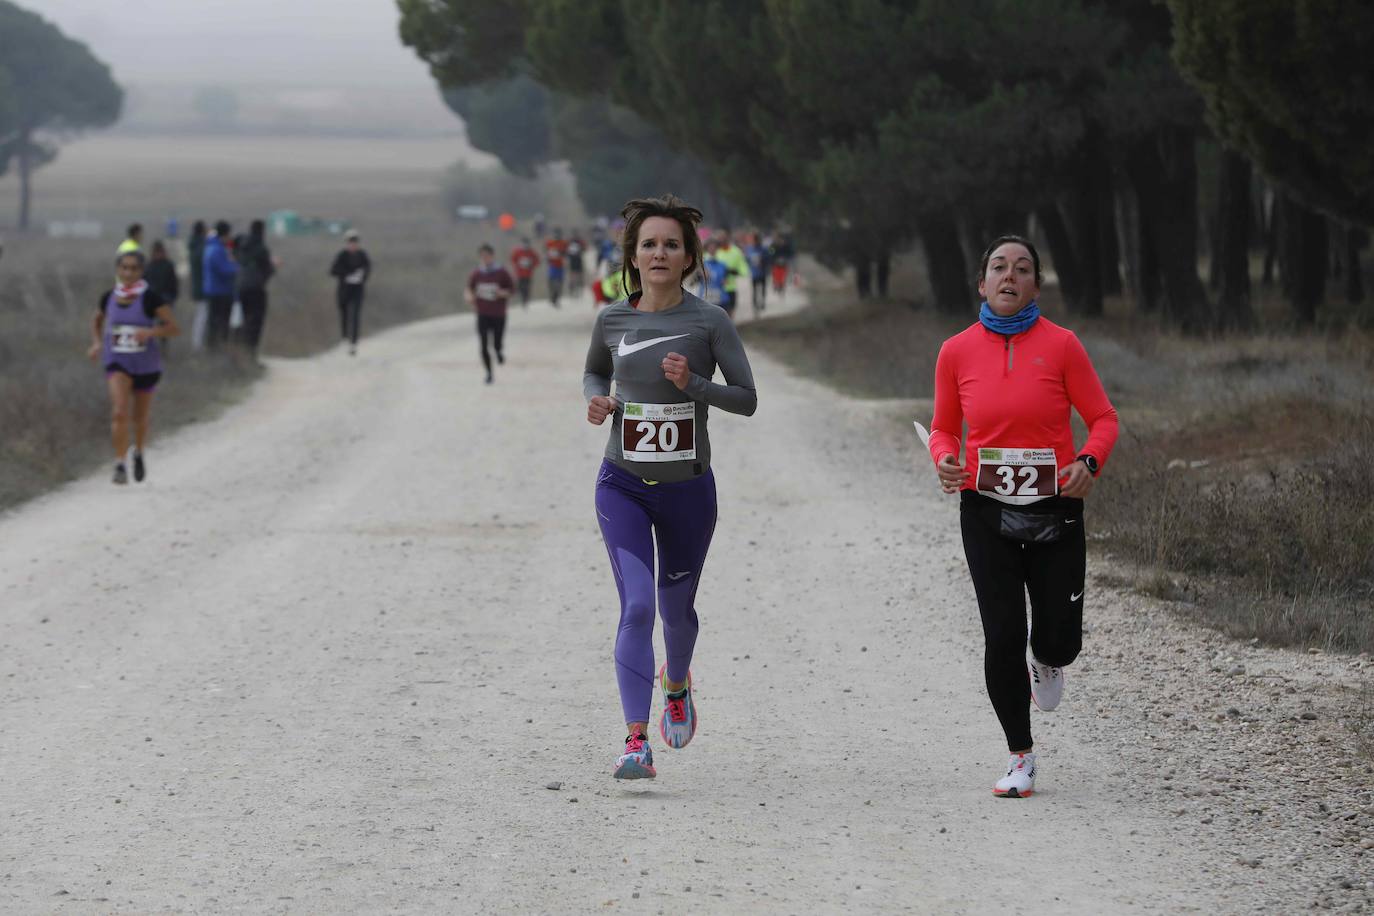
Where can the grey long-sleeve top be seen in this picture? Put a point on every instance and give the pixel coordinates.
(665, 437)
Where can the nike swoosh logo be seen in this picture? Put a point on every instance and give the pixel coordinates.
(626, 349)
(1073, 598)
(676, 576)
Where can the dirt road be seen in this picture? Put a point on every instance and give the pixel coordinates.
(332, 655)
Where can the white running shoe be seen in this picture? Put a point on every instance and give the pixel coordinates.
(1020, 779)
(1047, 684)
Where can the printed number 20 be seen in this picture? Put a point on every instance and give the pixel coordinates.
(667, 436)
(1029, 476)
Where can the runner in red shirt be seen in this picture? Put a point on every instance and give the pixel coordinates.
(489, 289)
(555, 255)
(1013, 377)
(524, 260)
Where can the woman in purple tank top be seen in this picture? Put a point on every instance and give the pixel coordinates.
(126, 320)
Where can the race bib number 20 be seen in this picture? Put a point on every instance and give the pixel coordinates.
(1017, 474)
(659, 432)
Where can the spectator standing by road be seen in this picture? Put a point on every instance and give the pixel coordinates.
(195, 263)
(161, 275)
(218, 279)
(256, 267)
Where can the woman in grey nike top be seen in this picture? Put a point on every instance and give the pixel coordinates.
(661, 347)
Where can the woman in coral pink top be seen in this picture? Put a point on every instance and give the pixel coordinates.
(1013, 377)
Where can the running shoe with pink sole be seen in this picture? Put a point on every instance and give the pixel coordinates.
(679, 721)
(1020, 779)
(638, 760)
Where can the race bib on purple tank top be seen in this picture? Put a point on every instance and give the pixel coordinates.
(124, 339)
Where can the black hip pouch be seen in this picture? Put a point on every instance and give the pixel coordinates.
(1031, 527)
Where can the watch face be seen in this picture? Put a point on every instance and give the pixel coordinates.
(1091, 462)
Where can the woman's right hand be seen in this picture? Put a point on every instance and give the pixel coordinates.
(599, 408)
(93, 352)
(952, 474)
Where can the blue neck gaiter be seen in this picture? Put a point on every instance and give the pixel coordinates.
(1011, 324)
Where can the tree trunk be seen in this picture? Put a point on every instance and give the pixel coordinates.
(1111, 239)
(949, 273)
(863, 276)
(1132, 248)
(1087, 249)
(1163, 170)
(1355, 239)
(1062, 255)
(884, 269)
(1305, 259)
(1100, 205)
(1271, 237)
(25, 178)
(1232, 254)
(1087, 229)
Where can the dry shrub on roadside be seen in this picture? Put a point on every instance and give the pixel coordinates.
(1281, 548)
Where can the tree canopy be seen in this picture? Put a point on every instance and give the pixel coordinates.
(870, 124)
(55, 85)
(1288, 83)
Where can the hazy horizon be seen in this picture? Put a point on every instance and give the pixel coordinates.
(301, 64)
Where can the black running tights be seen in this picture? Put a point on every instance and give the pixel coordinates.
(1003, 571)
(495, 326)
(350, 310)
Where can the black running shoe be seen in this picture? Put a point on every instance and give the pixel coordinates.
(139, 470)
(121, 476)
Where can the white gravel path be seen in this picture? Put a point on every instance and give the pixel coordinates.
(329, 658)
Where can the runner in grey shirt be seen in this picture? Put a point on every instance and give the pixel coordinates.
(666, 438)
(655, 489)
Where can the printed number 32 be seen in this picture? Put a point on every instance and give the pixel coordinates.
(666, 432)
(1029, 477)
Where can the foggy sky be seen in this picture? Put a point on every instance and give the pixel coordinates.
(292, 43)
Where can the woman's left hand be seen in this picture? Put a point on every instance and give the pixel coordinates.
(1076, 481)
(675, 370)
(143, 335)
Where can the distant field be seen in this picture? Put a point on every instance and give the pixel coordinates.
(116, 179)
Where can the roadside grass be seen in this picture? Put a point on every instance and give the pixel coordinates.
(1239, 488)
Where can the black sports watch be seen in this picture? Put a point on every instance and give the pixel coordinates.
(1091, 462)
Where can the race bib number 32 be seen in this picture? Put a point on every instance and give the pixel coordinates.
(659, 432)
(1009, 473)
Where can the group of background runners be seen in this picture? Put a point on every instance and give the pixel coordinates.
(728, 259)
(1013, 377)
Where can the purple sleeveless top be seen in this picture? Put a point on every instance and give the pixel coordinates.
(119, 346)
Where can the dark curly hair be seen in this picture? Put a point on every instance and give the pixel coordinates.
(1002, 240)
(637, 211)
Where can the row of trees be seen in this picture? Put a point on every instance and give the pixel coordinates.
(49, 85)
(1134, 134)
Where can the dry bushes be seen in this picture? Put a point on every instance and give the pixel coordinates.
(1279, 546)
